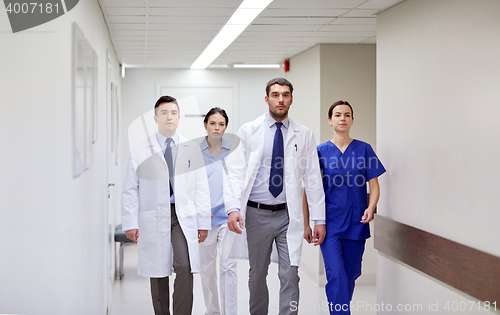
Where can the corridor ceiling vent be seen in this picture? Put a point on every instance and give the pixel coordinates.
(239, 21)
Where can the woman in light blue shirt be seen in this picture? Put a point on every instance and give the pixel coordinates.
(215, 149)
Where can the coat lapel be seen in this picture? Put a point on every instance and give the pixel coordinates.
(292, 133)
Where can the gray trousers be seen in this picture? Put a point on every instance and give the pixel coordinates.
(183, 285)
(264, 227)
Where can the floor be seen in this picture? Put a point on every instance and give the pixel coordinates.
(131, 295)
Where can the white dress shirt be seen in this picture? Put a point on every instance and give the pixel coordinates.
(260, 192)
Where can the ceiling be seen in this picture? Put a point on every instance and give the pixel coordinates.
(172, 34)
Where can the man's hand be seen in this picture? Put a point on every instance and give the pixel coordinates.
(308, 234)
(319, 234)
(132, 234)
(233, 221)
(202, 235)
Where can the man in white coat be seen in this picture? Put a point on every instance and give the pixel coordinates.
(275, 157)
(166, 209)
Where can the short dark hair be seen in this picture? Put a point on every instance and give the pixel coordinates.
(280, 81)
(166, 99)
(337, 103)
(216, 110)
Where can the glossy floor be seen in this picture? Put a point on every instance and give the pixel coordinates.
(131, 295)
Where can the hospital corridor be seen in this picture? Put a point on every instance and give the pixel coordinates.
(131, 295)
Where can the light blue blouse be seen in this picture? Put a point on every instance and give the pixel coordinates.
(215, 167)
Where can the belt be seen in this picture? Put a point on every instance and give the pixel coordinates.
(279, 207)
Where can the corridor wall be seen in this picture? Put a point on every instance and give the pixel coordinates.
(438, 102)
(53, 252)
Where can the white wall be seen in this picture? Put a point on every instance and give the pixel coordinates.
(437, 131)
(53, 226)
(348, 73)
(305, 76)
(139, 93)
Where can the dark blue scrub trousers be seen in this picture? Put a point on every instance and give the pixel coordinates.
(342, 259)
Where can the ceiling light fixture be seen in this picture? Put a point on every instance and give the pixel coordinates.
(218, 66)
(241, 18)
(244, 65)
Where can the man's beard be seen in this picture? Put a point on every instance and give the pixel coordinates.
(280, 115)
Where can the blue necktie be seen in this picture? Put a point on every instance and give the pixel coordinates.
(277, 163)
(170, 164)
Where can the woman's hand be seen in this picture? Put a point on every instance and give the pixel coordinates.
(308, 234)
(202, 235)
(372, 203)
(367, 216)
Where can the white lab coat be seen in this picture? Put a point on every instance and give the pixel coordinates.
(146, 203)
(301, 170)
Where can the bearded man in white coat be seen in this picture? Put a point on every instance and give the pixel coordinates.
(263, 193)
(166, 209)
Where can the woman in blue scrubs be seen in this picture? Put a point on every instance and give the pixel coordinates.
(215, 149)
(348, 165)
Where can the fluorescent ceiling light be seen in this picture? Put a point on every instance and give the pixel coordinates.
(219, 66)
(244, 65)
(241, 18)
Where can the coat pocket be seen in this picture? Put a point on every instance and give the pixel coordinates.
(148, 228)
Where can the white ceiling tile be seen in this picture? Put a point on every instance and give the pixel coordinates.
(127, 19)
(245, 45)
(127, 45)
(361, 13)
(119, 38)
(347, 21)
(269, 39)
(322, 35)
(175, 45)
(326, 4)
(300, 49)
(198, 11)
(187, 19)
(338, 39)
(283, 28)
(128, 26)
(126, 11)
(164, 33)
(124, 3)
(195, 3)
(312, 12)
(278, 35)
(129, 32)
(292, 20)
(348, 28)
(203, 41)
(184, 27)
(378, 4)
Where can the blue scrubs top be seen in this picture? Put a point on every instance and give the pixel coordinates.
(345, 176)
